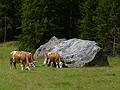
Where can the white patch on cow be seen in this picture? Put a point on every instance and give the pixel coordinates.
(57, 65)
(45, 61)
(49, 53)
(48, 61)
(32, 64)
(28, 67)
(13, 55)
(60, 64)
(14, 52)
(51, 63)
(30, 53)
(22, 67)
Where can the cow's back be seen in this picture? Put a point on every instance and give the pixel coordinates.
(28, 55)
(54, 56)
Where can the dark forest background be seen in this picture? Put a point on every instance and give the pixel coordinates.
(34, 22)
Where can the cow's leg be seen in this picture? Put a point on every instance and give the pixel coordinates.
(49, 63)
(57, 65)
(60, 64)
(45, 61)
(54, 64)
(11, 63)
(14, 63)
(22, 66)
(27, 63)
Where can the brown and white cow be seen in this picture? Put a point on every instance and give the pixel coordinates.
(55, 58)
(30, 58)
(23, 57)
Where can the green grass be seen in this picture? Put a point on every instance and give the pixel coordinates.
(48, 78)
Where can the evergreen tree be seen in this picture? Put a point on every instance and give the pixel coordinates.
(107, 25)
(99, 21)
(9, 19)
(43, 19)
(86, 24)
(33, 26)
(62, 16)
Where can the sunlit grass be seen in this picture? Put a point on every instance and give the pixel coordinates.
(49, 78)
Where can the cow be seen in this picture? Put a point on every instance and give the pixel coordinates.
(23, 57)
(53, 57)
(30, 58)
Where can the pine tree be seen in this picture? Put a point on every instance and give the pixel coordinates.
(107, 25)
(33, 24)
(62, 16)
(43, 19)
(9, 19)
(99, 21)
(86, 24)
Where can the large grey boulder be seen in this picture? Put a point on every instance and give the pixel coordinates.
(47, 46)
(75, 52)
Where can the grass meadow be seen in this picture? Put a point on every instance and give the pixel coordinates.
(49, 78)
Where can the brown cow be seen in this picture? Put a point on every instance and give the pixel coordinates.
(30, 58)
(55, 58)
(23, 57)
